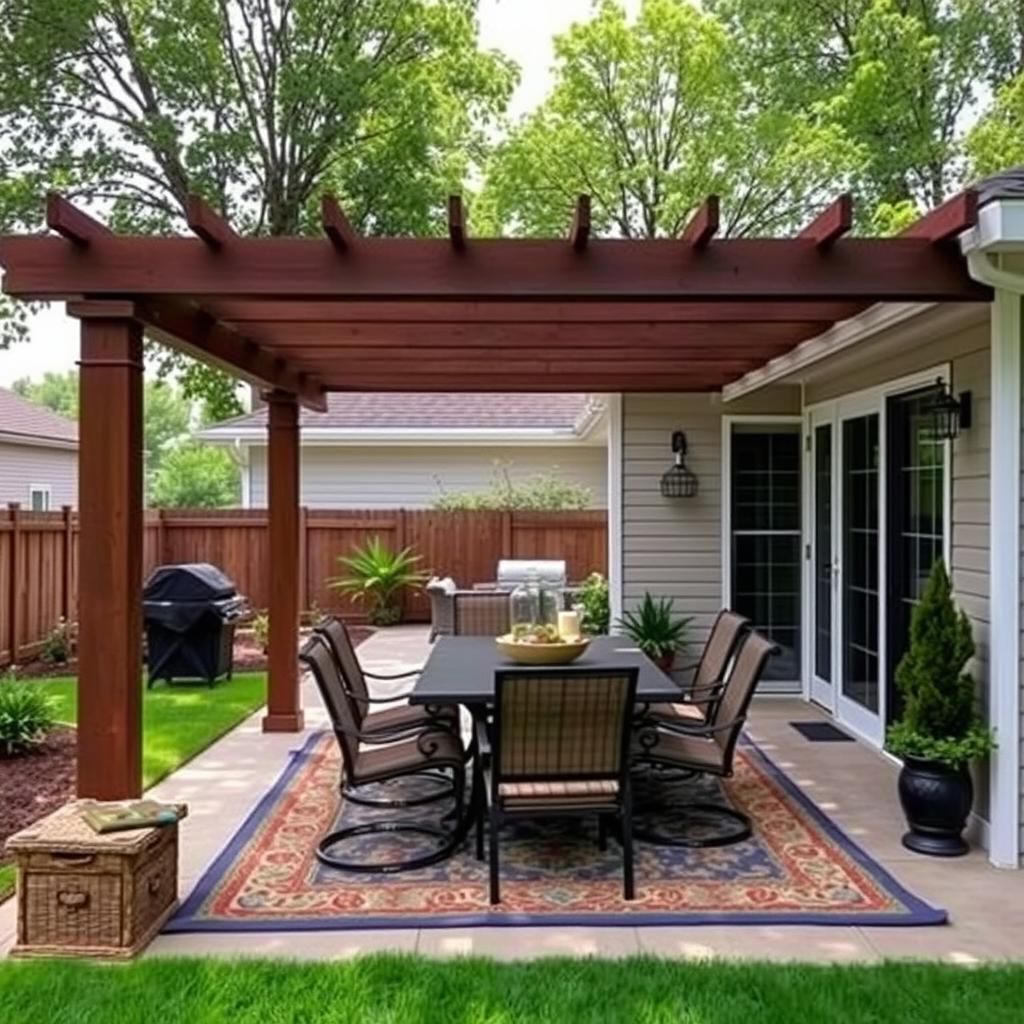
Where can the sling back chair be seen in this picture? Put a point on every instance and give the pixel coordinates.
(481, 613)
(431, 748)
(396, 717)
(559, 746)
(706, 749)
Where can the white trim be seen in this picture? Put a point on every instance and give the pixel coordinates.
(1000, 227)
(408, 436)
(837, 338)
(1004, 579)
(45, 489)
(725, 511)
(615, 510)
(37, 441)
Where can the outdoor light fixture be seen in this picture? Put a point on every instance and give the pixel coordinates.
(950, 415)
(679, 482)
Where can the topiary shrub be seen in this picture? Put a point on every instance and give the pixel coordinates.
(593, 596)
(940, 720)
(27, 714)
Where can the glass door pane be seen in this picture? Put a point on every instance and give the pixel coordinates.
(823, 552)
(860, 678)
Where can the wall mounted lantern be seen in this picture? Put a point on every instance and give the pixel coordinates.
(679, 482)
(950, 415)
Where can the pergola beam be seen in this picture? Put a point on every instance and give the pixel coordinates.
(579, 232)
(336, 225)
(72, 223)
(948, 220)
(207, 224)
(207, 339)
(832, 223)
(736, 270)
(703, 225)
(456, 222)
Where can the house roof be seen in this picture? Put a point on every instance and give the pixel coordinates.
(29, 423)
(437, 414)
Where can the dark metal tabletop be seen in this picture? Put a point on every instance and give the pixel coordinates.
(460, 670)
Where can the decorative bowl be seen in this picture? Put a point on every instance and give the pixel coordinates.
(542, 654)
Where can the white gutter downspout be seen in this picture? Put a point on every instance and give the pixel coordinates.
(1004, 558)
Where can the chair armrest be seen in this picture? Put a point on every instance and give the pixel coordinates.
(392, 675)
(697, 729)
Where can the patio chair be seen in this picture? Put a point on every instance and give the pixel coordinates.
(441, 592)
(559, 746)
(481, 613)
(427, 750)
(352, 678)
(706, 749)
(701, 692)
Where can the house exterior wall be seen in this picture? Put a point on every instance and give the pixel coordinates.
(673, 547)
(23, 465)
(414, 477)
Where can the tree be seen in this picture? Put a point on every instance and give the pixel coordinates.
(258, 105)
(997, 140)
(194, 475)
(902, 77)
(167, 413)
(650, 117)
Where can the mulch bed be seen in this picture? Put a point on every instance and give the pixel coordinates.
(36, 783)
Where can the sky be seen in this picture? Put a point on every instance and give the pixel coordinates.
(524, 29)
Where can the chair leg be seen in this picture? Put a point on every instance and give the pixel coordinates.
(494, 879)
(602, 833)
(627, 849)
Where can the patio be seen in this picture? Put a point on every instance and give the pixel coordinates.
(986, 907)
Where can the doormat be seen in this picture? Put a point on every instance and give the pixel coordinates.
(798, 868)
(822, 732)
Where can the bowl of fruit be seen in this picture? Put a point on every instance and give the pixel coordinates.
(541, 645)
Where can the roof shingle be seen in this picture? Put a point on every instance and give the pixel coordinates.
(34, 422)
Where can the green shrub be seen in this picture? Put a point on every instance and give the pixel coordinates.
(655, 628)
(261, 630)
(377, 575)
(27, 714)
(940, 720)
(57, 646)
(593, 595)
(542, 492)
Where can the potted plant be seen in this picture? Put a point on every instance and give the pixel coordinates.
(657, 630)
(377, 575)
(592, 598)
(941, 730)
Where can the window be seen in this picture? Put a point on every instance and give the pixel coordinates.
(765, 537)
(39, 497)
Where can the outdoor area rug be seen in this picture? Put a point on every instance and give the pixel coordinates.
(798, 868)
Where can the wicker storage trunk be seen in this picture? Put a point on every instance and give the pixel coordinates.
(89, 895)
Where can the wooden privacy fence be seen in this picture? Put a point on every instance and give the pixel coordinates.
(39, 554)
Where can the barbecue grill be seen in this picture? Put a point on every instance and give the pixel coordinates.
(190, 614)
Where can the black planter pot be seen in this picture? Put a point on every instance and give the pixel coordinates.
(936, 800)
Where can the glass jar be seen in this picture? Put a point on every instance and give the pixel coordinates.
(525, 604)
(549, 601)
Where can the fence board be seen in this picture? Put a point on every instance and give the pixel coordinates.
(463, 545)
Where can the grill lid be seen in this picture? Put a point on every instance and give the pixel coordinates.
(194, 581)
(513, 571)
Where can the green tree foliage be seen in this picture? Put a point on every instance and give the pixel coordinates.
(902, 78)
(258, 105)
(940, 717)
(648, 118)
(997, 140)
(194, 475)
(540, 492)
(57, 391)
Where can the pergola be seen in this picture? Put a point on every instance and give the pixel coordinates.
(299, 317)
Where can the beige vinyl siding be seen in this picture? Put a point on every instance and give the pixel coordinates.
(413, 477)
(673, 547)
(967, 350)
(25, 465)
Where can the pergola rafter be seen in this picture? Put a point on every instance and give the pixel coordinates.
(302, 316)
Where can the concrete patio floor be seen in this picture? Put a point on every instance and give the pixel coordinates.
(852, 783)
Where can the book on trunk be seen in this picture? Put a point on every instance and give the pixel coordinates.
(121, 817)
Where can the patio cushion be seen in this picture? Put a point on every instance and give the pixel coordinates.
(697, 751)
(432, 749)
(571, 795)
(679, 713)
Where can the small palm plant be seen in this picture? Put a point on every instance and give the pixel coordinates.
(27, 714)
(656, 629)
(377, 575)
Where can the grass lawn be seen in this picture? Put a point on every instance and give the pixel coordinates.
(177, 721)
(407, 990)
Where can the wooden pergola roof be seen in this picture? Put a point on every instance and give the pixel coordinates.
(348, 313)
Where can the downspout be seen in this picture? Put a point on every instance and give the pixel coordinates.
(1005, 480)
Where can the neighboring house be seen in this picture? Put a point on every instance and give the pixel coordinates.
(395, 450)
(38, 455)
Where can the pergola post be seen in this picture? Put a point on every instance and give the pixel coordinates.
(284, 706)
(110, 555)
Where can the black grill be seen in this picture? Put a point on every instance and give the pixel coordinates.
(190, 613)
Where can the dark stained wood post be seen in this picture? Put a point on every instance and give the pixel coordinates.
(67, 564)
(110, 555)
(14, 580)
(284, 708)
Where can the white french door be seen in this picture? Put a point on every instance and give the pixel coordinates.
(823, 568)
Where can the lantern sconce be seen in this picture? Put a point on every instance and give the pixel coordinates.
(679, 482)
(950, 415)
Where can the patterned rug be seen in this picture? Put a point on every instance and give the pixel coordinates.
(798, 868)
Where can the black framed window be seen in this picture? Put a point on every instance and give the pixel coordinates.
(765, 537)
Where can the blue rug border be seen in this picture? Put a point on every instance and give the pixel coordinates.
(919, 913)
